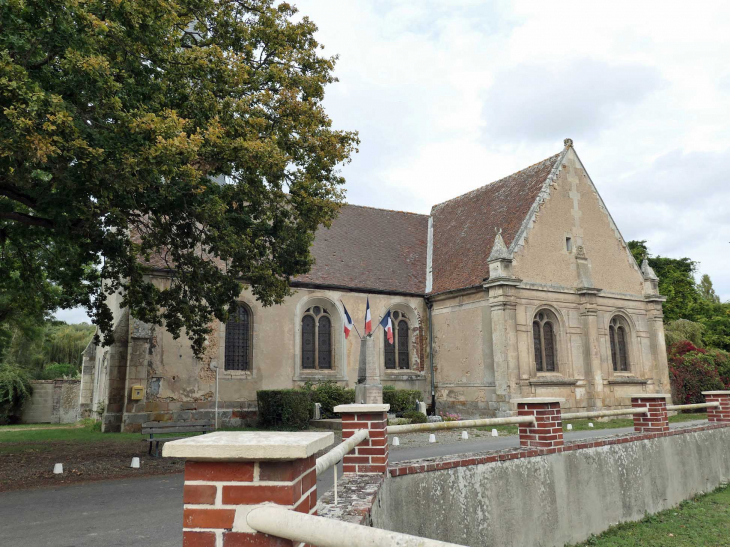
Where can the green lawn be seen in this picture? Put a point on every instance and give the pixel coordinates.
(703, 521)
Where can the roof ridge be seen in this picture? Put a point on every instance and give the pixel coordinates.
(383, 209)
(554, 158)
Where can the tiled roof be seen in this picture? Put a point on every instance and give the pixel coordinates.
(367, 248)
(464, 227)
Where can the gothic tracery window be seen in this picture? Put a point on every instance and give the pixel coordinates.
(316, 339)
(396, 354)
(545, 342)
(239, 339)
(618, 338)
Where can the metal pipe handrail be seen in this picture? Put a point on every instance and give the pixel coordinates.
(326, 532)
(604, 413)
(461, 424)
(338, 452)
(693, 406)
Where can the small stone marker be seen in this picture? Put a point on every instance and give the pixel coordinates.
(317, 411)
(396, 441)
(570, 427)
(58, 469)
(422, 407)
(465, 435)
(135, 463)
(495, 433)
(432, 438)
(590, 424)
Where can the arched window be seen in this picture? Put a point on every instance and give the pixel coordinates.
(316, 339)
(239, 339)
(545, 342)
(618, 337)
(396, 354)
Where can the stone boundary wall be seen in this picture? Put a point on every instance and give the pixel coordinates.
(525, 496)
(52, 402)
(230, 413)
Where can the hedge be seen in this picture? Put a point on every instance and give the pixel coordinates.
(693, 370)
(329, 395)
(284, 408)
(401, 400)
(15, 389)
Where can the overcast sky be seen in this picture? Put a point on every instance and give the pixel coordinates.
(450, 95)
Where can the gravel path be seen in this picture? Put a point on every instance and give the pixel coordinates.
(445, 436)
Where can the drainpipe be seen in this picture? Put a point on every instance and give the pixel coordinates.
(429, 305)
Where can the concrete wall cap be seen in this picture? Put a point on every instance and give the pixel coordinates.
(362, 408)
(249, 446)
(650, 396)
(538, 400)
(716, 393)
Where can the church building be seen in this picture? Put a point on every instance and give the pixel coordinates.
(520, 288)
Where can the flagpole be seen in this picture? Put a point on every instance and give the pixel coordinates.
(353, 323)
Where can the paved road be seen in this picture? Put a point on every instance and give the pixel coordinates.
(148, 511)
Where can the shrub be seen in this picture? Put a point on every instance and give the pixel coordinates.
(400, 400)
(691, 374)
(58, 370)
(722, 363)
(681, 330)
(415, 417)
(284, 408)
(15, 389)
(329, 395)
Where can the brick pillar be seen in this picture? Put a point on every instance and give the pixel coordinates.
(656, 420)
(371, 455)
(721, 413)
(228, 473)
(547, 433)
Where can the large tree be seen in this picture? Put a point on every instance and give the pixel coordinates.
(187, 134)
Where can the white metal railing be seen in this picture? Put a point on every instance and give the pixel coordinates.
(461, 424)
(325, 532)
(693, 406)
(334, 456)
(604, 413)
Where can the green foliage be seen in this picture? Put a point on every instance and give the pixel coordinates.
(196, 126)
(707, 291)
(58, 370)
(284, 408)
(415, 417)
(401, 400)
(691, 371)
(329, 395)
(682, 329)
(15, 388)
(676, 282)
(44, 344)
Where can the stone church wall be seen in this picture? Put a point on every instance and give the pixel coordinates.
(179, 386)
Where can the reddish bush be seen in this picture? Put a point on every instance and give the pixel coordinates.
(722, 364)
(679, 349)
(692, 373)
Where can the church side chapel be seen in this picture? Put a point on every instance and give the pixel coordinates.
(523, 287)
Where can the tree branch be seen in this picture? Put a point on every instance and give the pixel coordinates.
(16, 195)
(28, 219)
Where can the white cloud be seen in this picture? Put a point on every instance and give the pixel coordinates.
(74, 315)
(448, 96)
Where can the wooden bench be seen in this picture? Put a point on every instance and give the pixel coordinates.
(155, 428)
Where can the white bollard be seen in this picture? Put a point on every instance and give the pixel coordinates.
(495, 433)
(135, 463)
(396, 441)
(590, 424)
(465, 435)
(432, 438)
(570, 427)
(58, 469)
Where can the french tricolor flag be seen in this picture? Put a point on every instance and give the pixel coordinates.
(387, 325)
(368, 319)
(348, 322)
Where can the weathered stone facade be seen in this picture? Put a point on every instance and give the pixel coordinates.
(564, 258)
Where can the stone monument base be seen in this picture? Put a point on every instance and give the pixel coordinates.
(369, 394)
